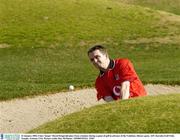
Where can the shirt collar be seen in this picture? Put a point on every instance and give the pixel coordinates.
(110, 67)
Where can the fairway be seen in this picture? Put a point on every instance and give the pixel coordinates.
(43, 44)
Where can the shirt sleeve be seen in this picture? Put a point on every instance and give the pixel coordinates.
(127, 72)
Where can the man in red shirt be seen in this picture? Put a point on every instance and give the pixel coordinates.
(117, 78)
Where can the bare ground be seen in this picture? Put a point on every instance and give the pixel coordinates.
(22, 115)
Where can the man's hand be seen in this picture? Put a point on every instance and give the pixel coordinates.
(108, 98)
(125, 93)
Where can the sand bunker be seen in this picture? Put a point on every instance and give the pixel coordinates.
(22, 115)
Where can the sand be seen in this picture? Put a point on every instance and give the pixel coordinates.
(22, 115)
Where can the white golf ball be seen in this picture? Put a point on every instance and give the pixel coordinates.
(71, 87)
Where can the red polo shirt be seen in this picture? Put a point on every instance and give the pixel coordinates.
(109, 83)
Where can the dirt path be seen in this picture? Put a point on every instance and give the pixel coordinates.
(22, 115)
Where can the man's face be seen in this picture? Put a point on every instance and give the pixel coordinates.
(99, 60)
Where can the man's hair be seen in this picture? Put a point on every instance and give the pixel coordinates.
(98, 47)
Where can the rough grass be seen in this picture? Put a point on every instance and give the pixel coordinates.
(155, 114)
(44, 43)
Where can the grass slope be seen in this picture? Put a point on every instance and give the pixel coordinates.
(171, 6)
(153, 114)
(43, 44)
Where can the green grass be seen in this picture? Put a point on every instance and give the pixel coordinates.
(43, 44)
(152, 114)
(171, 6)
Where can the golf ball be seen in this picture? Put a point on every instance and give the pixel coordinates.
(71, 87)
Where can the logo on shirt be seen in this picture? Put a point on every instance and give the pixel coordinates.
(117, 90)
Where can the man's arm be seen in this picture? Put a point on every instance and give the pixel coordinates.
(125, 93)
